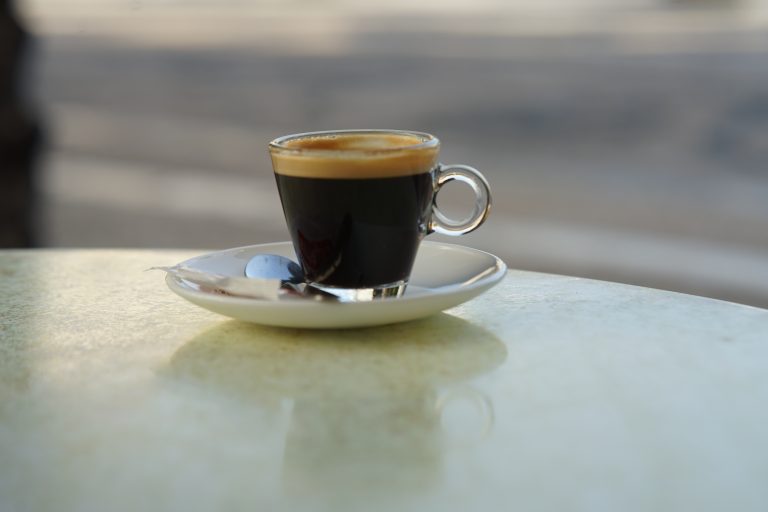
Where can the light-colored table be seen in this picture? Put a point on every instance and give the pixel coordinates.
(547, 393)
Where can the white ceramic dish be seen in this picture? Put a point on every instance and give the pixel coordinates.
(443, 276)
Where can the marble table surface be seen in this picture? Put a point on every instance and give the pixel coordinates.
(546, 393)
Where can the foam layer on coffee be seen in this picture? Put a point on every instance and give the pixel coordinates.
(355, 155)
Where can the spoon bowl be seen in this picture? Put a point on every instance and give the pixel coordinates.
(274, 266)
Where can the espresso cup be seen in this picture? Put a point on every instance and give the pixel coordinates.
(358, 203)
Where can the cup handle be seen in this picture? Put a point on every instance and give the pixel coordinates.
(472, 177)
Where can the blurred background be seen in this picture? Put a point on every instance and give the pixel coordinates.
(624, 140)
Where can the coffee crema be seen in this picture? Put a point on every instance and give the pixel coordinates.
(357, 155)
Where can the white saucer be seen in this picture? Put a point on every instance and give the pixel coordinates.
(443, 276)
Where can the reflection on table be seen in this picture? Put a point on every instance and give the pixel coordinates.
(365, 407)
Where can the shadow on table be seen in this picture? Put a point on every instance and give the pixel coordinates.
(371, 410)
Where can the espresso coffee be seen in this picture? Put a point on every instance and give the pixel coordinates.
(356, 205)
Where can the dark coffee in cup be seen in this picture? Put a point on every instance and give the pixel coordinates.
(357, 204)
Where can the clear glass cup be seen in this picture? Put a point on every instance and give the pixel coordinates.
(358, 203)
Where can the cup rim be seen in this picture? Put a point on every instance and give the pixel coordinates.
(278, 144)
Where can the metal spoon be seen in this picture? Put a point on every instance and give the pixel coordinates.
(267, 276)
(274, 266)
